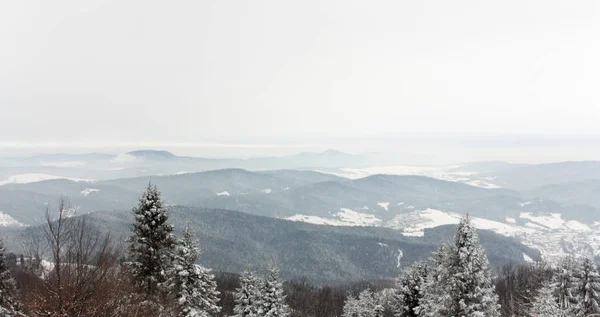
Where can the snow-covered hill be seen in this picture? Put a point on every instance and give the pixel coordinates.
(552, 235)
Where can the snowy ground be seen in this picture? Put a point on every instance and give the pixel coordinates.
(36, 177)
(8, 221)
(88, 191)
(345, 217)
(447, 173)
(549, 233)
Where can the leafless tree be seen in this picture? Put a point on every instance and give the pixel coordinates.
(58, 232)
(83, 264)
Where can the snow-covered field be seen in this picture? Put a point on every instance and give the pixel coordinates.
(447, 173)
(384, 206)
(37, 177)
(414, 223)
(8, 221)
(88, 191)
(317, 220)
(357, 218)
(345, 217)
(554, 236)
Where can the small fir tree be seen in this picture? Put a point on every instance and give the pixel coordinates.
(434, 300)
(273, 298)
(545, 304)
(248, 298)
(563, 281)
(410, 290)
(588, 290)
(194, 286)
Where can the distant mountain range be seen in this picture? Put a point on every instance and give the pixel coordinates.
(552, 207)
(154, 162)
(409, 204)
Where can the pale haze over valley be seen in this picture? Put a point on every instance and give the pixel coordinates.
(299, 158)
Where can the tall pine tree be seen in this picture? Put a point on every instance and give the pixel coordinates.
(587, 290)
(273, 298)
(248, 298)
(410, 289)
(564, 285)
(463, 286)
(435, 297)
(194, 286)
(152, 242)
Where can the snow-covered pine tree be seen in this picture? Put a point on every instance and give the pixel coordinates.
(410, 289)
(468, 281)
(248, 297)
(194, 287)
(273, 298)
(152, 242)
(587, 290)
(545, 304)
(563, 281)
(352, 307)
(365, 305)
(435, 297)
(471, 287)
(8, 305)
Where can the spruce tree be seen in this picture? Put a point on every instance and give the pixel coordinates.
(351, 307)
(152, 242)
(471, 287)
(410, 290)
(588, 290)
(435, 297)
(7, 286)
(564, 285)
(545, 303)
(273, 299)
(194, 287)
(248, 297)
(463, 286)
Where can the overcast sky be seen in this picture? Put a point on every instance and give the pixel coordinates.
(101, 72)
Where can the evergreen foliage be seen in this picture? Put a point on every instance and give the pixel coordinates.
(194, 286)
(461, 284)
(564, 285)
(588, 290)
(435, 290)
(365, 305)
(248, 298)
(7, 286)
(152, 242)
(273, 298)
(410, 290)
(545, 303)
